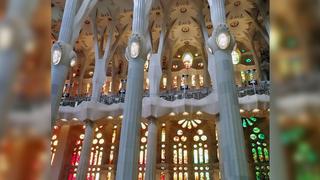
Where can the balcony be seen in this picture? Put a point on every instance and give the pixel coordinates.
(197, 94)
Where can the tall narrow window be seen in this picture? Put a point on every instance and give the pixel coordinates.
(143, 151)
(201, 156)
(96, 154)
(75, 157)
(258, 147)
(163, 140)
(180, 156)
(54, 142)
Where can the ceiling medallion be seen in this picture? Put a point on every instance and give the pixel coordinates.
(234, 23)
(237, 3)
(185, 29)
(183, 10)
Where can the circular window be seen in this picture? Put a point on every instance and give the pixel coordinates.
(183, 139)
(203, 138)
(196, 138)
(144, 139)
(200, 131)
(256, 130)
(253, 136)
(99, 135)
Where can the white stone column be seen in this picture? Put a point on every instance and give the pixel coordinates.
(154, 74)
(152, 149)
(98, 80)
(85, 151)
(233, 159)
(130, 132)
(59, 72)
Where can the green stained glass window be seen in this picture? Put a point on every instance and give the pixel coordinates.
(256, 130)
(253, 136)
(266, 154)
(249, 122)
(254, 119)
(248, 60)
(261, 136)
(244, 123)
(260, 154)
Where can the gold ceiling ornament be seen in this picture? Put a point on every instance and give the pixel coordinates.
(185, 29)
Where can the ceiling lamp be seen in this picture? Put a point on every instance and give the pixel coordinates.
(187, 59)
(235, 56)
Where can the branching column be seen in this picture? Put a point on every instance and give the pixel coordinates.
(137, 54)
(59, 72)
(151, 149)
(85, 152)
(233, 160)
(154, 74)
(62, 51)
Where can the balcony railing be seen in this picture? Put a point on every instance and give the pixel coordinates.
(262, 88)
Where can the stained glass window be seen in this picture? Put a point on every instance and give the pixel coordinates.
(201, 156)
(96, 154)
(163, 140)
(143, 151)
(189, 123)
(180, 156)
(259, 148)
(248, 121)
(54, 142)
(113, 148)
(75, 157)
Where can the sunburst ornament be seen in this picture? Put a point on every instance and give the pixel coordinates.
(189, 123)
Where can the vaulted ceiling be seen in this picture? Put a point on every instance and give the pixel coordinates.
(243, 19)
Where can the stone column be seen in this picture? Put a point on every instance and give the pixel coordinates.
(154, 75)
(233, 160)
(130, 132)
(85, 152)
(98, 79)
(152, 149)
(59, 72)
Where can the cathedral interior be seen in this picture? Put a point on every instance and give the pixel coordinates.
(177, 128)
